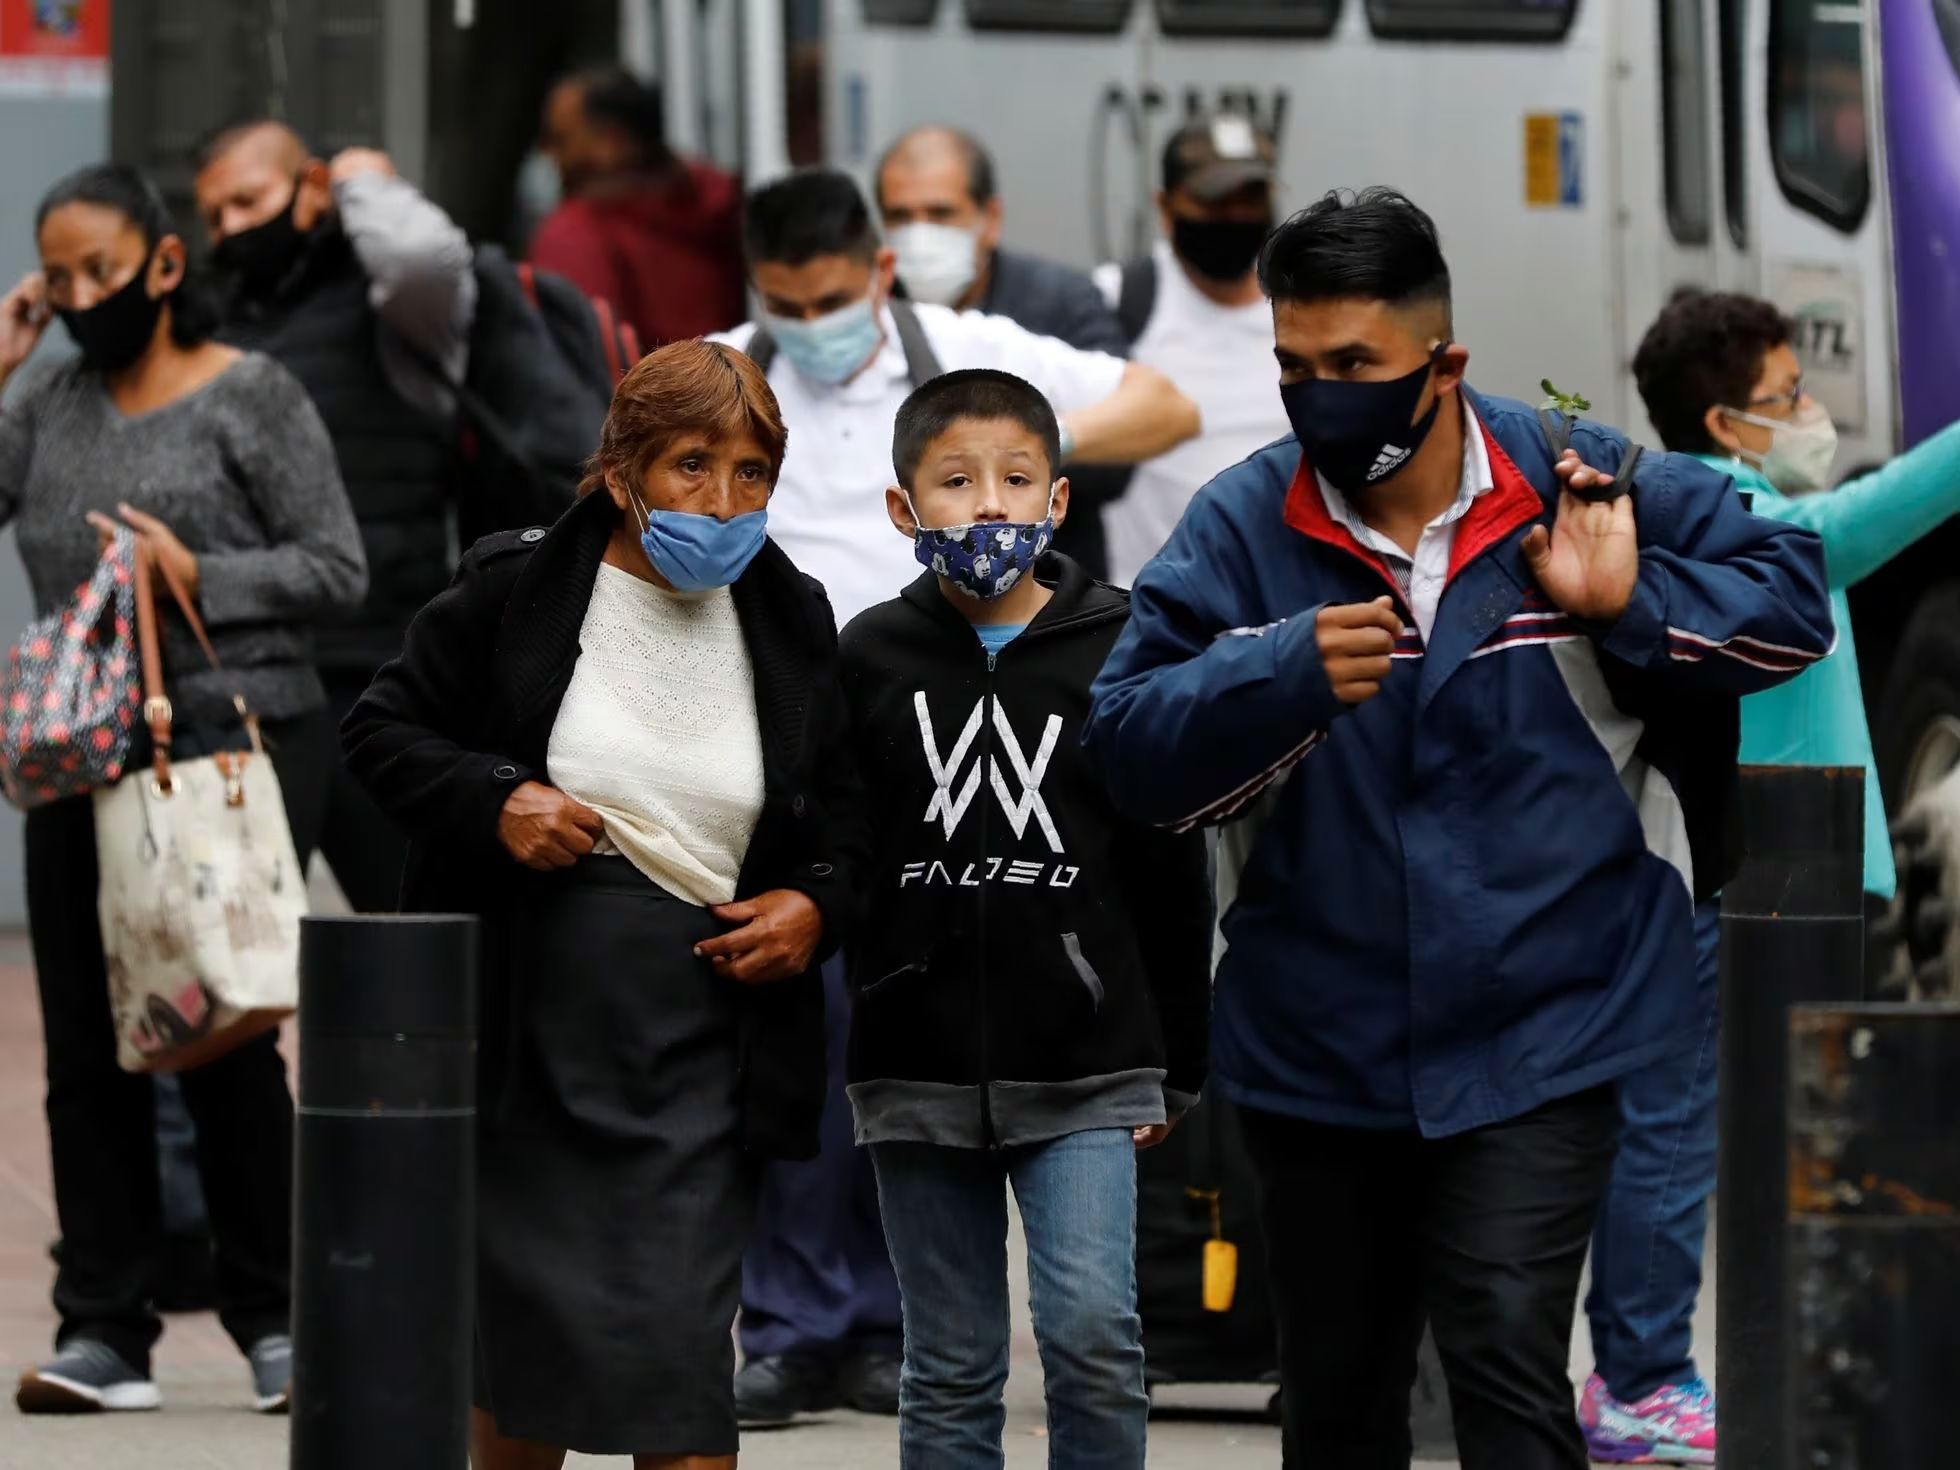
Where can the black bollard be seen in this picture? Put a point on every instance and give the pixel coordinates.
(383, 1255)
(1792, 933)
(1874, 1235)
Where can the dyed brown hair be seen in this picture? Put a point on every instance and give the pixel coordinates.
(685, 387)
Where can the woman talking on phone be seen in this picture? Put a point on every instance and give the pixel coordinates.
(218, 462)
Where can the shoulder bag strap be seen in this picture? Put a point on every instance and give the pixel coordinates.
(921, 362)
(762, 349)
(1136, 295)
(157, 711)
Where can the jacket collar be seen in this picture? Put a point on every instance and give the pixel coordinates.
(1079, 598)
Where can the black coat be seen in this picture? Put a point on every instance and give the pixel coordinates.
(1017, 927)
(463, 717)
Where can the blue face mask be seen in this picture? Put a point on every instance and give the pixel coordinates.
(697, 553)
(832, 348)
(984, 559)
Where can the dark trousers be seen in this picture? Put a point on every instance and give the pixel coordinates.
(102, 1120)
(1484, 1235)
(365, 850)
(817, 1278)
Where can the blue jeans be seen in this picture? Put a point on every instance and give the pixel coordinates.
(946, 1220)
(1653, 1223)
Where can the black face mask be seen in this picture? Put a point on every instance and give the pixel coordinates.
(1219, 249)
(1359, 434)
(113, 333)
(261, 256)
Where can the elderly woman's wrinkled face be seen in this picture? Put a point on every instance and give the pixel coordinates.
(704, 475)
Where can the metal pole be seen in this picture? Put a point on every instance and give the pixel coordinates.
(1874, 1235)
(383, 1256)
(1792, 933)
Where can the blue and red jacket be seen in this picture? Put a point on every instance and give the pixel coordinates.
(1470, 894)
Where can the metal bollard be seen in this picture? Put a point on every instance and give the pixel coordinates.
(383, 1257)
(1792, 933)
(1874, 1235)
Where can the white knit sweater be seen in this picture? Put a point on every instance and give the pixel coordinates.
(658, 733)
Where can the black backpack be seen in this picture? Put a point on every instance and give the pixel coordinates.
(543, 361)
(921, 362)
(1693, 738)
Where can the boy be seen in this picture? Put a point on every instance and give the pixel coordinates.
(1032, 987)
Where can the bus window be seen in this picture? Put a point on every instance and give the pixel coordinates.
(1684, 121)
(1047, 15)
(1248, 17)
(1471, 20)
(1817, 108)
(899, 12)
(1735, 131)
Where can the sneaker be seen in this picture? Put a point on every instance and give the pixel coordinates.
(86, 1377)
(271, 1358)
(1674, 1425)
(772, 1391)
(869, 1383)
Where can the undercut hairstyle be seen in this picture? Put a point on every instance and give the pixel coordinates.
(971, 393)
(1704, 350)
(215, 144)
(813, 212)
(612, 95)
(687, 387)
(980, 186)
(135, 196)
(1373, 246)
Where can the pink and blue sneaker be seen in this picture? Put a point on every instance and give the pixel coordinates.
(1674, 1425)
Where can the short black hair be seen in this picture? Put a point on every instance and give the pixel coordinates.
(134, 195)
(812, 212)
(1706, 348)
(612, 94)
(226, 136)
(980, 186)
(970, 393)
(1375, 245)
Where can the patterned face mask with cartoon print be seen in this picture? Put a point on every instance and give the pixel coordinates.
(984, 559)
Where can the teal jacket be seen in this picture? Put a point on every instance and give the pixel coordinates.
(1818, 718)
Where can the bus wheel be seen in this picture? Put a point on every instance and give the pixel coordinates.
(1919, 717)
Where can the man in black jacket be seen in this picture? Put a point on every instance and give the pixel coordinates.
(1032, 973)
(357, 284)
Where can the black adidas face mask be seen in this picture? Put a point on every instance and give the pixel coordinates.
(1360, 435)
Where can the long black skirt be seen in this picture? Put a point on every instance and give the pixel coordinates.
(614, 1195)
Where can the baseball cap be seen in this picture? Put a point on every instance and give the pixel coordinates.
(1215, 156)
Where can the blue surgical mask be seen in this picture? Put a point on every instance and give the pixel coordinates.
(698, 553)
(832, 348)
(983, 559)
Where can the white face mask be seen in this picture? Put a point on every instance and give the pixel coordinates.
(936, 262)
(1801, 448)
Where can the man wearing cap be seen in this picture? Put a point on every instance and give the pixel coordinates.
(942, 216)
(1194, 311)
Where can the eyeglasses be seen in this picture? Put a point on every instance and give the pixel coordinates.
(1788, 400)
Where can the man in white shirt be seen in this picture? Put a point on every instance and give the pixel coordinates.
(840, 370)
(1194, 309)
(820, 1311)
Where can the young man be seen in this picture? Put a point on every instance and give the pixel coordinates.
(658, 236)
(819, 1305)
(1195, 310)
(1468, 912)
(1721, 381)
(322, 257)
(1032, 989)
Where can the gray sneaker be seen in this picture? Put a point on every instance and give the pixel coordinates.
(86, 1377)
(272, 1373)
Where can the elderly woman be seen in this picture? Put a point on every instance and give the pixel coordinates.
(621, 742)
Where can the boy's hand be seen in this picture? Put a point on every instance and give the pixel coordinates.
(1590, 559)
(1355, 640)
(778, 934)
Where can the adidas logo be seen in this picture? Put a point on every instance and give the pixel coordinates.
(1386, 462)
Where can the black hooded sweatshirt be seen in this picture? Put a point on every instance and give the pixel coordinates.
(1030, 963)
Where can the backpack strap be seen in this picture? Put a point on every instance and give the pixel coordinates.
(609, 342)
(527, 277)
(921, 362)
(1558, 438)
(1136, 295)
(762, 349)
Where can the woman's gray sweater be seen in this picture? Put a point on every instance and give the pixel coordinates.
(243, 472)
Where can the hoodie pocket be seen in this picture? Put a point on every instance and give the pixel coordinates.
(1084, 971)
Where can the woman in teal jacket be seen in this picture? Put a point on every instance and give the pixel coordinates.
(1721, 380)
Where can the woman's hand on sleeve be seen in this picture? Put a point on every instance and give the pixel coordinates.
(776, 937)
(543, 828)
